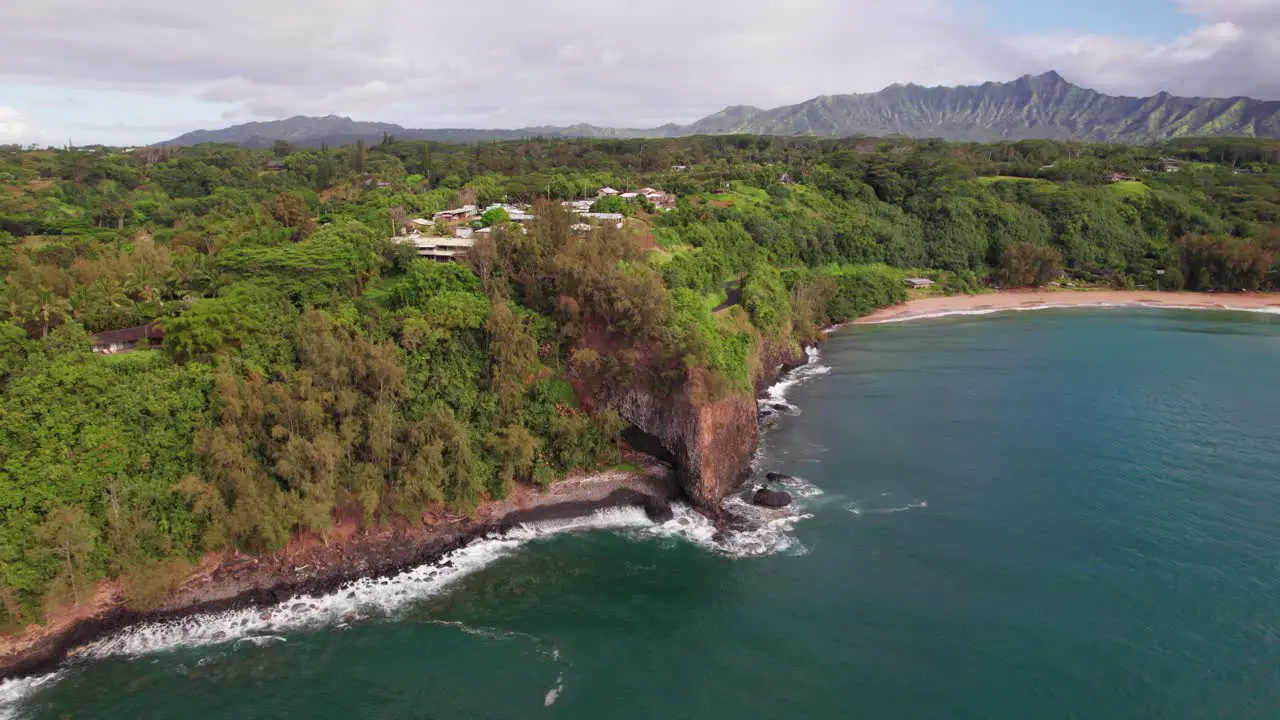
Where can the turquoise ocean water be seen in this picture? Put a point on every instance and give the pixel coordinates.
(1058, 514)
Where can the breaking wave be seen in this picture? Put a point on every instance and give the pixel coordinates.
(759, 532)
(857, 509)
(755, 531)
(353, 602)
(15, 692)
(775, 399)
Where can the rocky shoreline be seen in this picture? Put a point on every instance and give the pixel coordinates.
(231, 581)
(234, 581)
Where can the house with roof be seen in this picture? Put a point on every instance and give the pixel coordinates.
(658, 199)
(919, 283)
(438, 248)
(606, 191)
(466, 212)
(143, 337)
(616, 219)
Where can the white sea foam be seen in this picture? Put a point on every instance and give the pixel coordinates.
(15, 692)
(354, 601)
(775, 398)
(859, 510)
(761, 532)
(554, 693)
(1069, 306)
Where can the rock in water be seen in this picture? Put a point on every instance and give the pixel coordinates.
(658, 509)
(771, 498)
(778, 477)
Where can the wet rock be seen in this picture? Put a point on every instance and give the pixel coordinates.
(658, 509)
(778, 478)
(265, 616)
(771, 498)
(298, 606)
(351, 595)
(446, 564)
(780, 407)
(219, 635)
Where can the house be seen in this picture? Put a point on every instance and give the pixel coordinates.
(1116, 177)
(144, 337)
(466, 212)
(422, 222)
(514, 213)
(679, 168)
(646, 191)
(629, 195)
(604, 218)
(661, 200)
(578, 206)
(580, 227)
(439, 248)
(462, 231)
(606, 191)
(786, 179)
(919, 283)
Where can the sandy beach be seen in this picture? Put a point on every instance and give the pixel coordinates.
(929, 307)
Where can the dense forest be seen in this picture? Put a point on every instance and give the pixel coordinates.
(313, 369)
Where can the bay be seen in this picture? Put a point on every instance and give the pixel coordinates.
(1060, 514)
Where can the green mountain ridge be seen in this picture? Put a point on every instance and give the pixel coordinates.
(1032, 107)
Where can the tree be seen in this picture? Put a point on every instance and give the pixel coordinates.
(515, 355)
(358, 157)
(1028, 264)
(45, 306)
(609, 204)
(494, 216)
(424, 163)
(68, 536)
(290, 210)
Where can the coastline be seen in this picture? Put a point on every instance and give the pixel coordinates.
(228, 580)
(309, 566)
(1016, 300)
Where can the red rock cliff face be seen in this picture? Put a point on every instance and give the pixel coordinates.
(712, 441)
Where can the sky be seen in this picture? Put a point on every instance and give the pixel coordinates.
(142, 71)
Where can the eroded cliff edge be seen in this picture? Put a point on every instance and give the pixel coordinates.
(711, 436)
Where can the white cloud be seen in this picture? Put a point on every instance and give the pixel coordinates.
(500, 62)
(14, 128)
(1234, 52)
(506, 63)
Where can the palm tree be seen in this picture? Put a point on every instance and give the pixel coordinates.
(47, 305)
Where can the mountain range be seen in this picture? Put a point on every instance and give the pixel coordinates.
(1033, 106)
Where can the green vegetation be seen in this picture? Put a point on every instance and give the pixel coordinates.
(312, 368)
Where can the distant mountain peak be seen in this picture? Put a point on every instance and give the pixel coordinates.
(1033, 106)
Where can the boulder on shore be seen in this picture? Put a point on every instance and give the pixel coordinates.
(765, 497)
(658, 509)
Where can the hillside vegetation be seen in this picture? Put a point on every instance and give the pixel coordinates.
(312, 369)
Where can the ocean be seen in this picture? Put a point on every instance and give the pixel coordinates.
(1059, 514)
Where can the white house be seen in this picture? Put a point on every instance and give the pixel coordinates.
(437, 247)
(607, 191)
